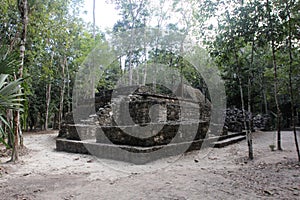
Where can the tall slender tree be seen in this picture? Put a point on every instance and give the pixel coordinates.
(288, 6)
(23, 10)
(271, 36)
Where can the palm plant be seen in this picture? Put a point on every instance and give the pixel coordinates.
(9, 99)
(10, 91)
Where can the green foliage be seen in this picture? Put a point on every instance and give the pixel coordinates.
(8, 62)
(109, 77)
(237, 36)
(9, 99)
(244, 27)
(9, 93)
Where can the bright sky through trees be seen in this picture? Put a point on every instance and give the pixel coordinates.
(106, 14)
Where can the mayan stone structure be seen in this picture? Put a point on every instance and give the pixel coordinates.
(139, 123)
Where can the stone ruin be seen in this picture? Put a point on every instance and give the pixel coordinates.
(263, 122)
(146, 122)
(234, 120)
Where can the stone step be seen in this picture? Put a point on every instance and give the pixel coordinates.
(131, 154)
(228, 141)
(231, 135)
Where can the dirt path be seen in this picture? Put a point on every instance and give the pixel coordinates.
(211, 174)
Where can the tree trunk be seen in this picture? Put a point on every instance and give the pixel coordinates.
(137, 72)
(145, 54)
(271, 36)
(145, 73)
(92, 66)
(293, 106)
(94, 19)
(276, 98)
(68, 89)
(264, 104)
(291, 83)
(9, 119)
(132, 37)
(181, 72)
(62, 92)
(21, 135)
(48, 100)
(250, 127)
(265, 99)
(48, 96)
(130, 66)
(248, 132)
(23, 10)
(15, 152)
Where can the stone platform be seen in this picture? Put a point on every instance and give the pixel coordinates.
(136, 154)
(137, 125)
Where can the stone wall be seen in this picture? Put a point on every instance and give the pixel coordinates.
(143, 118)
(153, 134)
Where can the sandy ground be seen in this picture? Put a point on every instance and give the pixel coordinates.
(207, 174)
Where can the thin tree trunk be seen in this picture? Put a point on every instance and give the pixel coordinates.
(291, 84)
(48, 100)
(62, 92)
(264, 105)
(145, 73)
(94, 19)
(265, 99)
(68, 89)
(242, 100)
(181, 89)
(137, 71)
(21, 135)
(93, 64)
(249, 130)
(293, 107)
(297, 117)
(130, 63)
(15, 152)
(48, 96)
(248, 133)
(23, 9)
(275, 78)
(276, 98)
(134, 17)
(145, 53)
(9, 118)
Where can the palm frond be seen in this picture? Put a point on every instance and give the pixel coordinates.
(3, 133)
(10, 95)
(9, 62)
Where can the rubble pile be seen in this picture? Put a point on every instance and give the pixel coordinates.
(234, 120)
(263, 122)
(104, 115)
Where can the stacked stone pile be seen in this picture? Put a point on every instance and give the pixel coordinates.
(104, 115)
(263, 122)
(234, 120)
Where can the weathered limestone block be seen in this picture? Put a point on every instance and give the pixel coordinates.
(159, 134)
(68, 119)
(72, 146)
(81, 132)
